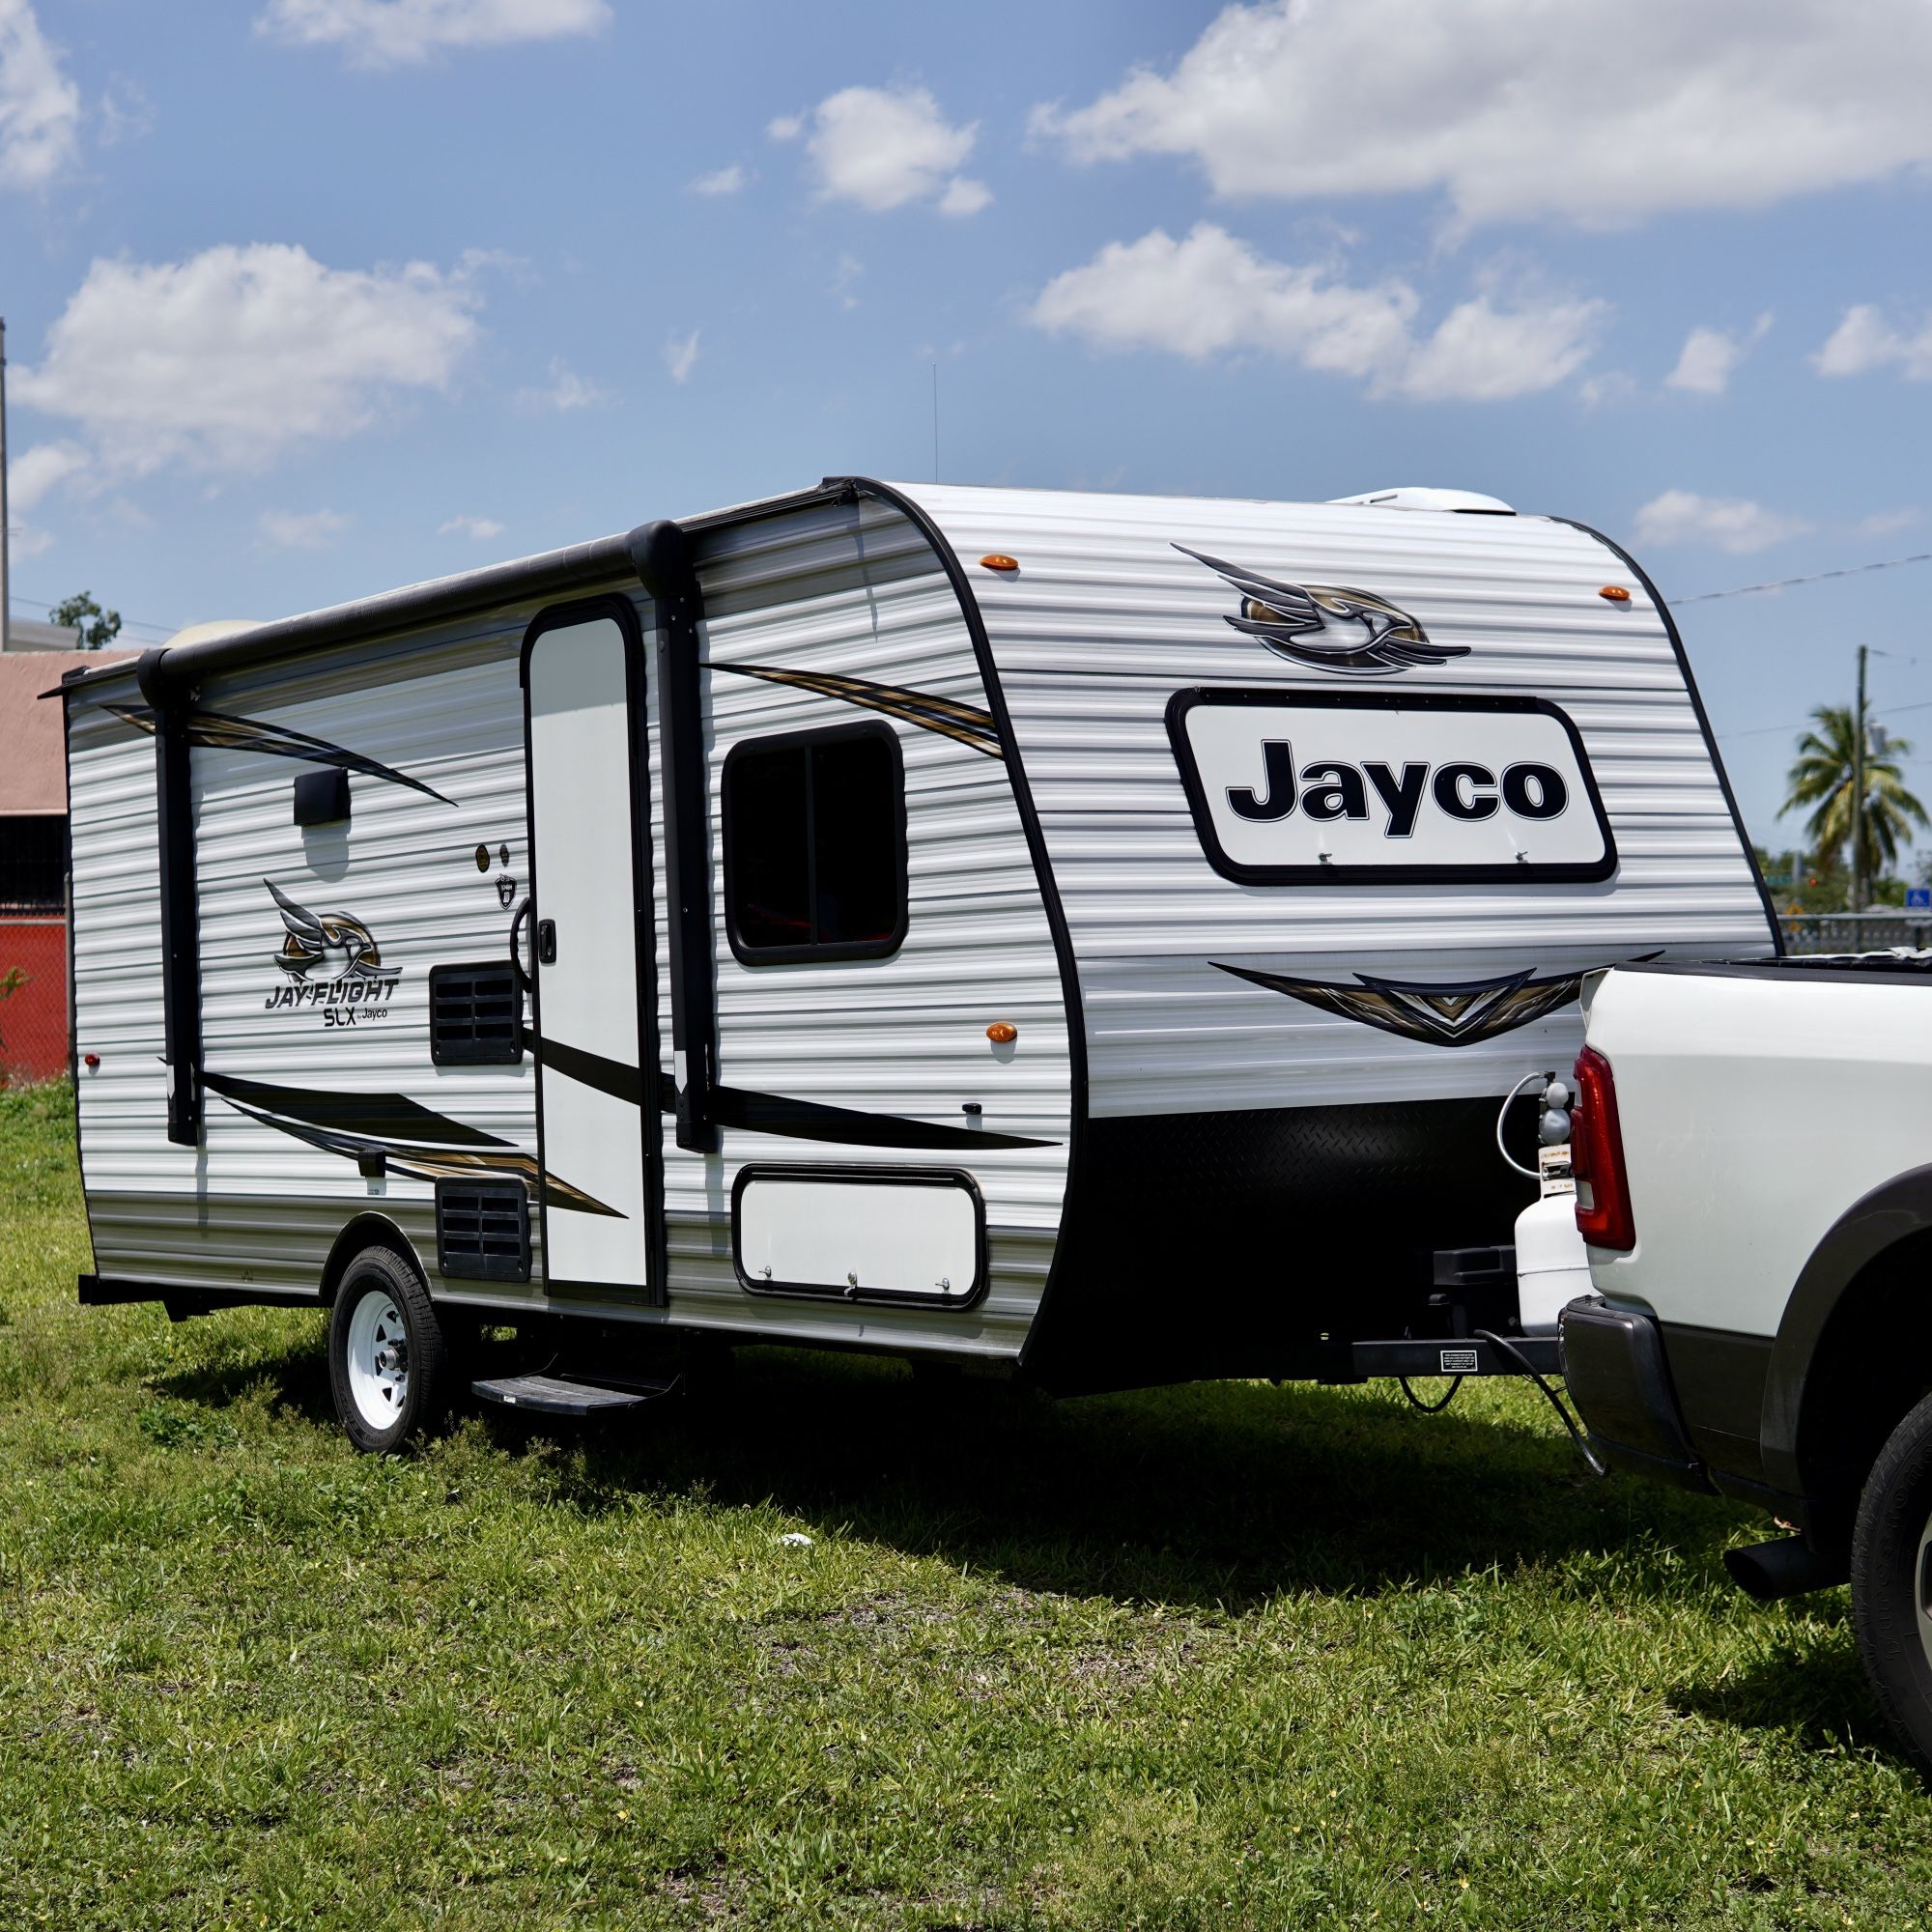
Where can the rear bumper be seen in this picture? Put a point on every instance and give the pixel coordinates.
(1614, 1363)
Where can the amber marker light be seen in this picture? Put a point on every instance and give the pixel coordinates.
(1614, 594)
(1003, 1032)
(1000, 560)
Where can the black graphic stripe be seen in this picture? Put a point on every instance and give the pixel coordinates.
(386, 1117)
(219, 730)
(811, 1121)
(964, 724)
(591, 1070)
(427, 1148)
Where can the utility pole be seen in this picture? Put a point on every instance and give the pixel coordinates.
(1859, 790)
(5, 593)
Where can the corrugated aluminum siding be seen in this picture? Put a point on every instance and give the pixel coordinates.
(254, 1208)
(1105, 619)
(855, 590)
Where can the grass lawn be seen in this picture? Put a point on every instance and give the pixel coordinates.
(1221, 1657)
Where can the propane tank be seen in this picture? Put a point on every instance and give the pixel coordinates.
(1552, 1265)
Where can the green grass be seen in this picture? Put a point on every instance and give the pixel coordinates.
(1215, 1656)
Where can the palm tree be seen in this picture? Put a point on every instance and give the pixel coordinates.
(1823, 777)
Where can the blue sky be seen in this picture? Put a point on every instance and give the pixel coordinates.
(310, 298)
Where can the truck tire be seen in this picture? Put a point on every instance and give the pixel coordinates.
(1891, 1583)
(388, 1364)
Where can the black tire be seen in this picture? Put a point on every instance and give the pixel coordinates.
(1891, 1583)
(389, 1363)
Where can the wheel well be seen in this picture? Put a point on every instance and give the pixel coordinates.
(366, 1230)
(1872, 1363)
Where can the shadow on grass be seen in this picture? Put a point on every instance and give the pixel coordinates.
(1817, 1696)
(1224, 1493)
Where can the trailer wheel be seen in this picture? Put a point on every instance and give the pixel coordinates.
(1891, 1583)
(388, 1364)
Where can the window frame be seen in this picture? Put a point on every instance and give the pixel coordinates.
(839, 950)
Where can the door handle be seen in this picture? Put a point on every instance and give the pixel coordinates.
(546, 942)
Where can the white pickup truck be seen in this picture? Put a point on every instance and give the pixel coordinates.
(1753, 1155)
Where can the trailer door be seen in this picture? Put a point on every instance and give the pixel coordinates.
(584, 709)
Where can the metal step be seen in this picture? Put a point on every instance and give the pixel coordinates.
(561, 1395)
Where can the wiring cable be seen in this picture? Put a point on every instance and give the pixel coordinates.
(1502, 1113)
(1431, 1407)
(1505, 1347)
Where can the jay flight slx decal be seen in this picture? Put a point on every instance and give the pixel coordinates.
(332, 964)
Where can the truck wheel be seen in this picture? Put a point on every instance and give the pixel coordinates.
(1891, 1583)
(388, 1366)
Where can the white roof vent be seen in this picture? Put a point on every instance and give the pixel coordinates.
(1415, 497)
(201, 633)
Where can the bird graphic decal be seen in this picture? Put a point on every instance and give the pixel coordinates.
(1368, 636)
(332, 947)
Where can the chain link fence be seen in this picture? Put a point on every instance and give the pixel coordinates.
(33, 999)
(1854, 932)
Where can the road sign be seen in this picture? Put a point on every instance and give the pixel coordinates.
(1918, 898)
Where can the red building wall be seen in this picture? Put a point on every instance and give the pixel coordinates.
(33, 1017)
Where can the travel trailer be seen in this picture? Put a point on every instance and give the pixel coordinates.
(1088, 934)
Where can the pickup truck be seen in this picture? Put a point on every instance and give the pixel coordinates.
(1753, 1150)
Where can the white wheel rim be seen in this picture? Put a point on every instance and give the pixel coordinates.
(1921, 1592)
(379, 1361)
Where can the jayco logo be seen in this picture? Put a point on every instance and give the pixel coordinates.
(332, 962)
(1462, 787)
(1462, 790)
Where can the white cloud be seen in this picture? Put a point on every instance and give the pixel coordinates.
(1710, 357)
(1864, 341)
(40, 106)
(479, 528)
(226, 360)
(567, 390)
(1733, 523)
(883, 147)
(1886, 523)
(964, 196)
(396, 33)
(300, 529)
(845, 278)
(37, 471)
(1210, 295)
(722, 180)
(681, 357)
(1612, 388)
(1594, 111)
(1483, 352)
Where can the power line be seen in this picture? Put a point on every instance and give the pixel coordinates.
(1884, 711)
(161, 630)
(1817, 577)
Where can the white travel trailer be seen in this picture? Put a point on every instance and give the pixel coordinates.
(1091, 934)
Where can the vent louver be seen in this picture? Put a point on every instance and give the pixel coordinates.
(483, 1230)
(475, 1015)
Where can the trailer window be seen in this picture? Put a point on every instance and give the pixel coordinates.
(815, 847)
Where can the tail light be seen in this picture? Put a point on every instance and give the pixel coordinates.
(1603, 1217)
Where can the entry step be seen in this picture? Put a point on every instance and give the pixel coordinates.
(561, 1395)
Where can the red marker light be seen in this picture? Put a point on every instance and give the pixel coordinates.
(90, 1059)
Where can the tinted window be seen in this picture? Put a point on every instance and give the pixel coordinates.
(815, 838)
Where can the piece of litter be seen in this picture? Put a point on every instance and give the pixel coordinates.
(796, 1539)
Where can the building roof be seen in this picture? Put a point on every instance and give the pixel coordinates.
(33, 770)
(30, 634)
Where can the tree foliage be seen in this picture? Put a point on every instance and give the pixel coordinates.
(1822, 777)
(80, 612)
